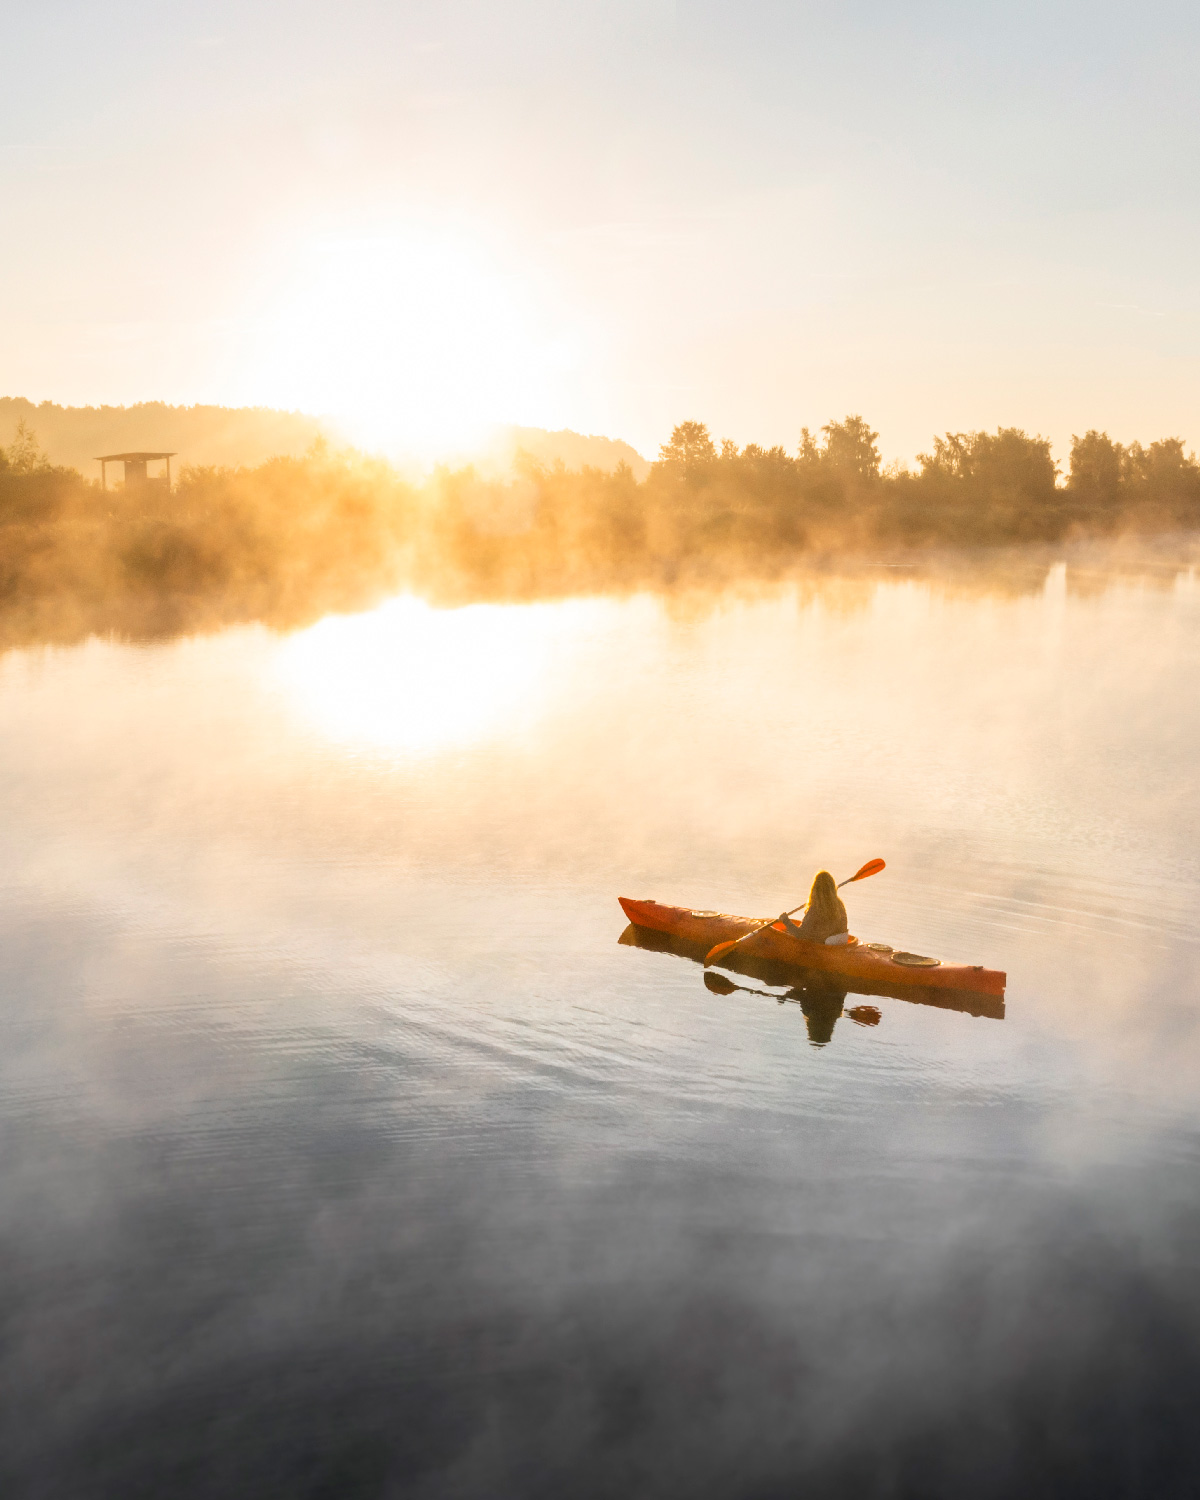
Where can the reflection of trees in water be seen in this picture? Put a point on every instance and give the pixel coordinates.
(296, 538)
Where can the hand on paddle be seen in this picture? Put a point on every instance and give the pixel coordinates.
(714, 955)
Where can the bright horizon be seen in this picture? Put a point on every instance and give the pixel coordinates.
(609, 217)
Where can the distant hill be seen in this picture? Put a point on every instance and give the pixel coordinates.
(577, 451)
(73, 435)
(232, 435)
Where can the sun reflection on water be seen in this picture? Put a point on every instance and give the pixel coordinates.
(411, 679)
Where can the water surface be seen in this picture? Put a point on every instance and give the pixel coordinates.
(346, 1151)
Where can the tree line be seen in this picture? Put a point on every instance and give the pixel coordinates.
(972, 488)
(292, 538)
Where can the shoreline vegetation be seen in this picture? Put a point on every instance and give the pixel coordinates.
(291, 539)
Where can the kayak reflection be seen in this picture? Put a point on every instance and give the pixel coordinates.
(821, 1001)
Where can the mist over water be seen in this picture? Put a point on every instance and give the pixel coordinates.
(346, 1152)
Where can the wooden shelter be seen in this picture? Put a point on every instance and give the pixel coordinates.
(136, 477)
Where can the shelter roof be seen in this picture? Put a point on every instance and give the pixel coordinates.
(108, 458)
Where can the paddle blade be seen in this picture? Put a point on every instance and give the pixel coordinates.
(719, 985)
(872, 867)
(865, 1015)
(714, 955)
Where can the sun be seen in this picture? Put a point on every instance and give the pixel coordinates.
(415, 342)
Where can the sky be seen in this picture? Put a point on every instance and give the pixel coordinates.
(611, 215)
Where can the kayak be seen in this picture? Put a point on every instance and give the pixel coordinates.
(855, 962)
(809, 986)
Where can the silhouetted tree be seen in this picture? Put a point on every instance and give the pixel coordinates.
(24, 455)
(1163, 475)
(690, 454)
(986, 486)
(1096, 469)
(1002, 466)
(808, 454)
(850, 450)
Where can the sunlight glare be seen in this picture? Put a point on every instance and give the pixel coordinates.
(416, 343)
(412, 679)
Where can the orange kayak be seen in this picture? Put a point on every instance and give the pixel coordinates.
(869, 963)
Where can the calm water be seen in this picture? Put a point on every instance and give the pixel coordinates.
(346, 1152)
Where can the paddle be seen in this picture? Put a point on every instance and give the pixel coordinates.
(872, 867)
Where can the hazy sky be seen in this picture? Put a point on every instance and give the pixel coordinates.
(609, 215)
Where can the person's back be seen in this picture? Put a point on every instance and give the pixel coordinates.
(826, 915)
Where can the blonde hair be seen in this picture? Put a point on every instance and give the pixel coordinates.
(826, 915)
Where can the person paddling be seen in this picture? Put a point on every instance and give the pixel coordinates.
(827, 914)
(825, 919)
